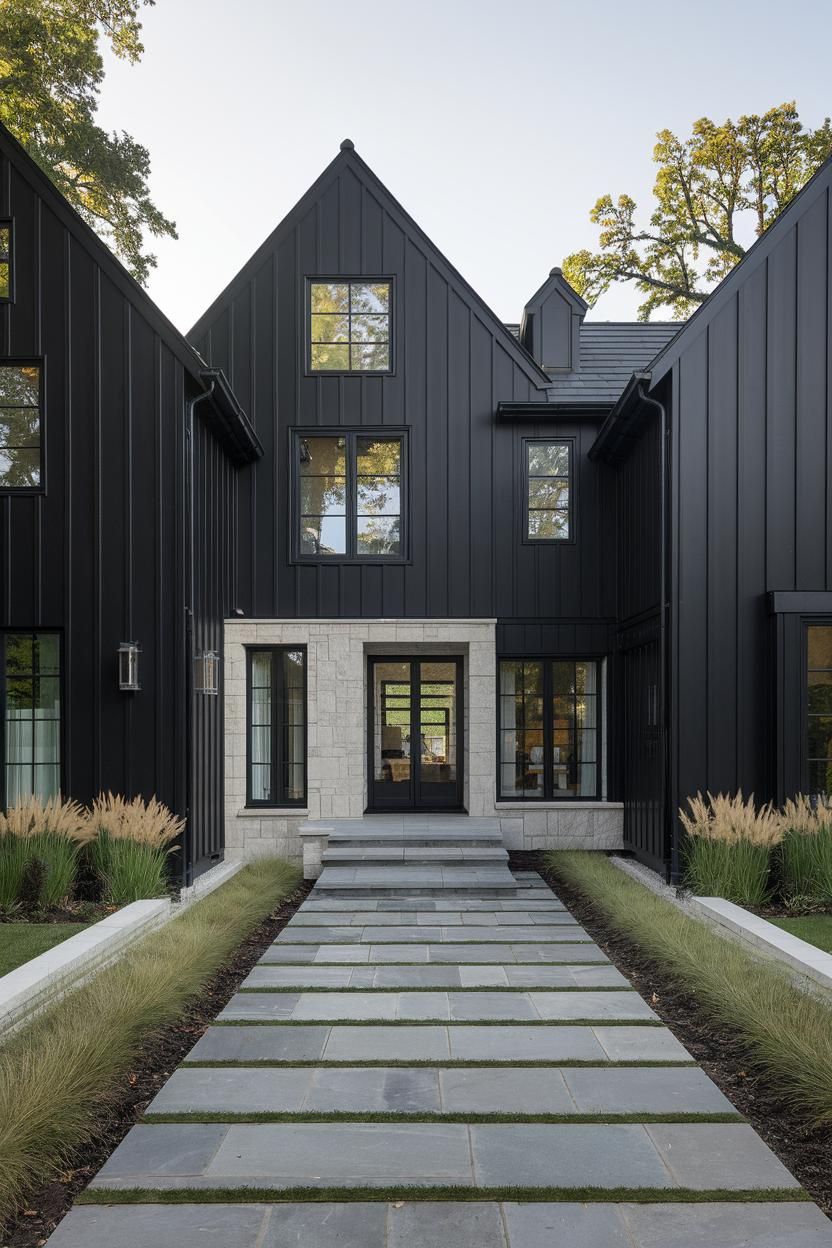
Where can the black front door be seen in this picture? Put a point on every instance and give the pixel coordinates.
(414, 719)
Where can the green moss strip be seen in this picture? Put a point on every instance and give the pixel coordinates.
(441, 1063)
(57, 1073)
(438, 1022)
(344, 1116)
(440, 988)
(317, 1195)
(787, 1032)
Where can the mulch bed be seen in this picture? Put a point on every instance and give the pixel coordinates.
(804, 1148)
(157, 1059)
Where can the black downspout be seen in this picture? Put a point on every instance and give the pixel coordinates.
(671, 860)
(190, 596)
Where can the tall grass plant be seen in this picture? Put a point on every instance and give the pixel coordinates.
(728, 847)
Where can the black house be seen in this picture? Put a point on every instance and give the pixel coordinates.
(561, 573)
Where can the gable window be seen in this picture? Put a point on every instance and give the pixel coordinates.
(349, 492)
(21, 425)
(349, 327)
(819, 709)
(5, 260)
(30, 697)
(548, 480)
(549, 729)
(277, 726)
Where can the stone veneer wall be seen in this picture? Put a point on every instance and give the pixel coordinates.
(337, 734)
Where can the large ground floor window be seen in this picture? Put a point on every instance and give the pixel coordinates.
(549, 729)
(819, 708)
(277, 726)
(30, 699)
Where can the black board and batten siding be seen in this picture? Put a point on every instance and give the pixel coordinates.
(454, 362)
(100, 556)
(750, 412)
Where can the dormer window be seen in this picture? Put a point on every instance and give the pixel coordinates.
(350, 326)
(5, 260)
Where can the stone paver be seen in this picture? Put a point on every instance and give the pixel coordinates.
(433, 1224)
(401, 980)
(472, 1005)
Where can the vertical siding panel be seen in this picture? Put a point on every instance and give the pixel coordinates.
(810, 415)
(780, 411)
(459, 441)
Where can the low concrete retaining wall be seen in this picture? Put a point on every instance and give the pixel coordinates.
(45, 979)
(809, 966)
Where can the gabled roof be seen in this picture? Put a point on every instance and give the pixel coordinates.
(611, 351)
(756, 255)
(187, 355)
(348, 158)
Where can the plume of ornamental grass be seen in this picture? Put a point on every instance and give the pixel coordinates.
(131, 846)
(806, 850)
(728, 847)
(49, 833)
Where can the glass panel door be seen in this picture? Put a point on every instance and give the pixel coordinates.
(414, 717)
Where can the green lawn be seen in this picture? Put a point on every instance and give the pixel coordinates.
(21, 941)
(814, 928)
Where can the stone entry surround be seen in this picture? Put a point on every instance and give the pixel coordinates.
(337, 653)
(343, 1082)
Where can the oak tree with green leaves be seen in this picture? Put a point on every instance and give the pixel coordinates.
(51, 72)
(707, 185)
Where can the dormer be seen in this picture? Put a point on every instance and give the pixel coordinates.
(551, 325)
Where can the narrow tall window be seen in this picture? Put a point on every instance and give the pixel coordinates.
(5, 260)
(277, 726)
(349, 496)
(819, 709)
(548, 491)
(349, 327)
(549, 729)
(30, 693)
(21, 426)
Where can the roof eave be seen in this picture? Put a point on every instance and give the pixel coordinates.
(552, 409)
(616, 428)
(231, 423)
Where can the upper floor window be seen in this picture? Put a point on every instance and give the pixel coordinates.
(21, 426)
(548, 480)
(349, 327)
(349, 492)
(819, 709)
(5, 260)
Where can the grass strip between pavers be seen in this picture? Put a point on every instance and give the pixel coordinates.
(320, 1116)
(408, 988)
(536, 1195)
(362, 944)
(58, 1072)
(439, 1062)
(353, 966)
(437, 1022)
(787, 1031)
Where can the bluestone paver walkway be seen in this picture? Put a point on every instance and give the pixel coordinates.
(443, 1042)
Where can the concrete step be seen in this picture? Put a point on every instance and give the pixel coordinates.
(416, 855)
(415, 880)
(453, 1224)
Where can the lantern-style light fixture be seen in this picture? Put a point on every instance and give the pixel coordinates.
(207, 672)
(128, 666)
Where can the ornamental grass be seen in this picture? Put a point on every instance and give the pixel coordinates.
(806, 850)
(40, 845)
(130, 846)
(728, 847)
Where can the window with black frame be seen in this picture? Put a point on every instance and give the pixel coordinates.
(277, 726)
(5, 261)
(549, 729)
(548, 469)
(21, 425)
(30, 693)
(350, 327)
(349, 493)
(819, 709)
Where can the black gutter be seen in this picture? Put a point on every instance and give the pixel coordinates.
(190, 591)
(532, 412)
(615, 430)
(228, 420)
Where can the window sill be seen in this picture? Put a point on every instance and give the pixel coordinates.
(590, 803)
(272, 812)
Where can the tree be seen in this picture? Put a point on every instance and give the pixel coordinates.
(50, 76)
(705, 188)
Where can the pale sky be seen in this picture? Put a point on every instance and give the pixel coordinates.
(496, 125)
